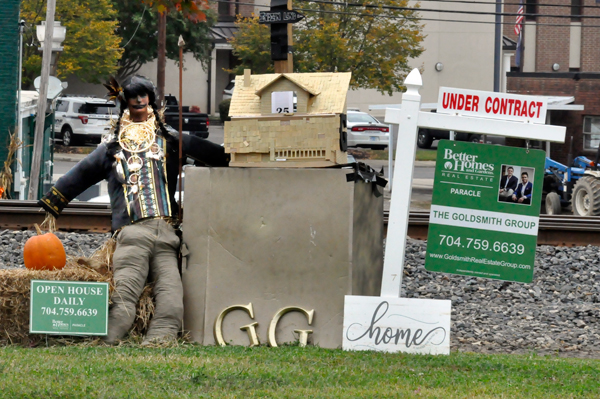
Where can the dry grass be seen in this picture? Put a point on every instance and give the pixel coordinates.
(6, 175)
(15, 287)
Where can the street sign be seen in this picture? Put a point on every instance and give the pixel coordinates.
(485, 211)
(68, 308)
(279, 17)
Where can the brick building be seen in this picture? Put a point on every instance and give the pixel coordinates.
(561, 57)
(9, 54)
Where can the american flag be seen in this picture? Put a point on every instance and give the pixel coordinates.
(519, 21)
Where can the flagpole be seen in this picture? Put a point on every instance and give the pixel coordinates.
(498, 46)
(519, 33)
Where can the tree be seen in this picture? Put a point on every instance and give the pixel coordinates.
(252, 46)
(374, 41)
(91, 48)
(193, 10)
(137, 29)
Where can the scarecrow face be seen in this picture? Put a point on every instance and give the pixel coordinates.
(138, 108)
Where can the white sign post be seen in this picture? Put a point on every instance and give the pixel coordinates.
(385, 322)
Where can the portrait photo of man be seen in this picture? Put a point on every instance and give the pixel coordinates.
(522, 194)
(508, 184)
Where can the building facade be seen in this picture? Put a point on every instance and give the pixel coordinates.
(459, 52)
(561, 57)
(9, 53)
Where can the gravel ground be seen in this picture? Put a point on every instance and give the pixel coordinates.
(557, 314)
(12, 243)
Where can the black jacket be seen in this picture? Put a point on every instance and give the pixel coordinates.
(512, 183)
(98, 166)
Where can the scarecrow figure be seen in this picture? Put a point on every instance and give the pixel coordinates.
(139, 159)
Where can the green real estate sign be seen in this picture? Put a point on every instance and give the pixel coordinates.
(485, 211)
(68, 308)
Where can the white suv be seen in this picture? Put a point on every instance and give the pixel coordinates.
(83, 119)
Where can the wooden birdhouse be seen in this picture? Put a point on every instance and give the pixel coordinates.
(288, 120)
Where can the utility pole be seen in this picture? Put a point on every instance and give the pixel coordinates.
(281, 35)
(281, 17)
(162, 57)
(38, 141)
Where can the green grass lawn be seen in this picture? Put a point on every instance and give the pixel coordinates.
(191, 371)
(426, 155)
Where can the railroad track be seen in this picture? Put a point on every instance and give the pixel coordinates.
(77, 216)
(560, 230)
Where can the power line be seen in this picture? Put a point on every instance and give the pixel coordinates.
(136, 29)
(505, 4)
(442, 11)
(439, 1)
(416, 19)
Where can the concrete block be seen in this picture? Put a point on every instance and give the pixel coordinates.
(277, 238)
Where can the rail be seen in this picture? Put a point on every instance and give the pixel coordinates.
(560, 230)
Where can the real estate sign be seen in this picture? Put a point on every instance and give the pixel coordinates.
(68, 308)
(485, 211)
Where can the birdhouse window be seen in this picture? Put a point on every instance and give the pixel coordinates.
(283, 102)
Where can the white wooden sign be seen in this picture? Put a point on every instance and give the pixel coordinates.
(282, 102)
(408, 119)
(485, 104)
(397, 325)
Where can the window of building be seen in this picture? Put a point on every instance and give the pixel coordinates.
(228, 10)
(591, 132)
(224, 8)
(531, 10)
(576, 10)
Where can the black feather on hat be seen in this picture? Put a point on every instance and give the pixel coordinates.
(115, 91)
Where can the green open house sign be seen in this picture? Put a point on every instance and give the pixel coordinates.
(68, 308)
(485, 211)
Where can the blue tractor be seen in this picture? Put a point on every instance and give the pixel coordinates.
(578, 185)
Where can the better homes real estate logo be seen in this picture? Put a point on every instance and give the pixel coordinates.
(463, 162)
(467, 168)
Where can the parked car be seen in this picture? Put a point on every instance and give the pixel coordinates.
(228, 92)
(194, 122)
(83, 119)
(427, 137)
(366, 131)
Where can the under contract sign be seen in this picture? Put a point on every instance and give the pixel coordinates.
(492, 105)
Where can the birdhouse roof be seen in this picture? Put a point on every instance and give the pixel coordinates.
(329, 91)
(294, 79)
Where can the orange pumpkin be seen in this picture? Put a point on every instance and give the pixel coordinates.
(44, 252)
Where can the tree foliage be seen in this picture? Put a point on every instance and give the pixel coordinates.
(138, 27)
(91, 48)
(374, 41)
(192, 10)
(252, 45)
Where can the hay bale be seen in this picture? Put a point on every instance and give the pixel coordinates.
(15, 287)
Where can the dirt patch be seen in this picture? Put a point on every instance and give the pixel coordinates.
(61, 149)
(364, 153)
